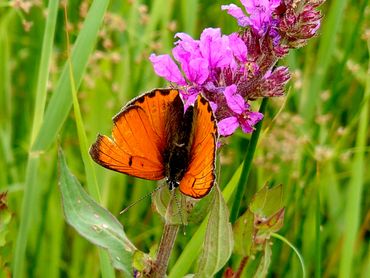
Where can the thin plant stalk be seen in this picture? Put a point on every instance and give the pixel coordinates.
(241, 188)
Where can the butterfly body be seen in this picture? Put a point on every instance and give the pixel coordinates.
(153, 138)
(176, 155)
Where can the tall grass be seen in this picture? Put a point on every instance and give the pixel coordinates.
(317, 146)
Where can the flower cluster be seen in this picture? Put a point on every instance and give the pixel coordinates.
(231, 70)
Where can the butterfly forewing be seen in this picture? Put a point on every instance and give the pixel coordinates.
(199, 177)
(138, 137)
(158, 105)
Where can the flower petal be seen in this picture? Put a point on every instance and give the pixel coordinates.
(227, 126)
(189, 97)
(252, 119)
(235, 101)
(215, 48)
(186, 48)
(165, 67)
(197, 71)
(214, 106)
(238, 47)
(237, 13)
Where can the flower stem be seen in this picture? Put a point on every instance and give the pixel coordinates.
(164, 250)
(242, 184)
(242, 265)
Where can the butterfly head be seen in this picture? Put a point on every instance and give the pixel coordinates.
(172, 184)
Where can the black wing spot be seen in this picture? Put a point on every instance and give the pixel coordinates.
(203, 100)
(151, 94)
(192, 186)
(130, 161)
(164, 92)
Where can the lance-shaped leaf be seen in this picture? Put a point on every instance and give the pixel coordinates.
(218, 243)
(94, 222)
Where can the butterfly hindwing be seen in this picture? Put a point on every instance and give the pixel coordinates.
(200, 175)
(138, 137)
(107, 153)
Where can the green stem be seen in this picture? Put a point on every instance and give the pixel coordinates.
(300, 258)
(242, 184)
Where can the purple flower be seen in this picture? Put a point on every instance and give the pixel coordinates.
(241, 114)
(165, 67)
(200, 60)
(260, 15)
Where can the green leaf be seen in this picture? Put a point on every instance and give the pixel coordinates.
(264, 263)
(243, 234)
(259, 201)
(173, 206)
(201, 209)
(94, 222)
(218, 243)
(267, 201)
(274, 200)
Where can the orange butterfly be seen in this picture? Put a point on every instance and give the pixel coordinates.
(153, 138)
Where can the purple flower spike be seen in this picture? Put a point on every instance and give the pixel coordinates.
(231, 70)
(165, 67)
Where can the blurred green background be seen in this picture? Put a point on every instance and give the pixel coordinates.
(315, 141)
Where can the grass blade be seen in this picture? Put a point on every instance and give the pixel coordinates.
(61, 100)
(355, 188)
(33, 159)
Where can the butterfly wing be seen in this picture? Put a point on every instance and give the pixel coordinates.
(158, 105)
(200, 175)
(138, 137)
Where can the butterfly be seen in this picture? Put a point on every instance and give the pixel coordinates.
(153, 138)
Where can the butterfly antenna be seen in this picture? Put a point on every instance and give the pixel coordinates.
(180, 213)
(142, 198)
